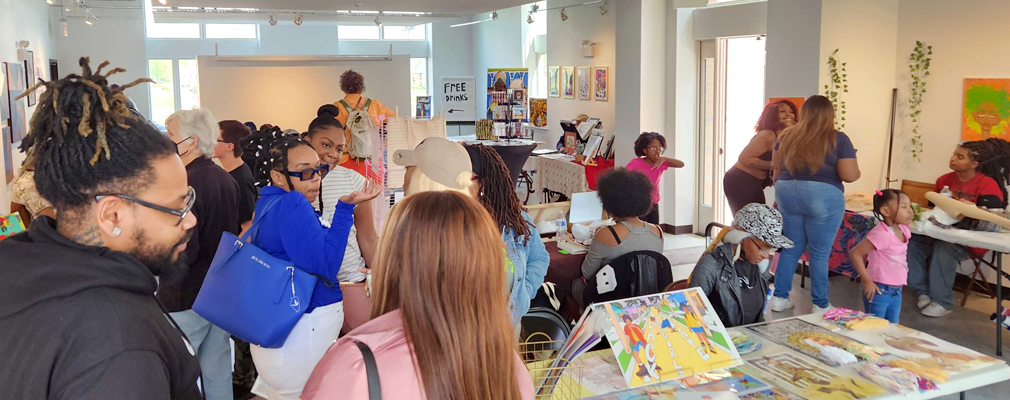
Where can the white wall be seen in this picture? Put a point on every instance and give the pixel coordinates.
(683, 119)
(23, 20)
(496, 44)
(626, 82)
(792, 66)
(451, 55)
(564, 49)
(870, 53)
(728, 21)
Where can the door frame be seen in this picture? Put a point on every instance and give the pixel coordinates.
(714, 49)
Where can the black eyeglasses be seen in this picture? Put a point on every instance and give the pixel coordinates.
(190, 200)
(307, 173)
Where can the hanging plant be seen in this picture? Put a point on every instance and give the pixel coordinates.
(839, 84)
(918, 68)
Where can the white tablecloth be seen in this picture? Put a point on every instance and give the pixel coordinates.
(562, 176)
(987, 240)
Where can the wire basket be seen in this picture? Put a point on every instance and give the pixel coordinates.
(554, 378)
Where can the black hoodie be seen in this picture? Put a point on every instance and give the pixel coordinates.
(79, 322)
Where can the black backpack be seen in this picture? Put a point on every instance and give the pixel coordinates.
(634, 274)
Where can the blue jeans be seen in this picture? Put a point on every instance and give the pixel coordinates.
(213, 348)
(887, 304)
(812, 213)
(938, 281)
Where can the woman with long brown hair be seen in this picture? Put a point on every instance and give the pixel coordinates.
(438, 331)
(745, 182)
(811, 161)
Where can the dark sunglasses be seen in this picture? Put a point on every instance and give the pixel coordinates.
(190, 200)
(307, 173)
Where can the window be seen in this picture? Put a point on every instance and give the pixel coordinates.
(357, 32)
(163, 91)
(230, 31)
(189, 85)
(172, 31)
(418, 80)
(416, 32)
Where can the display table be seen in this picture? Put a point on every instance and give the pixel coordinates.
(998, 243)
(562, 271)
(513, 152)
(565, 177)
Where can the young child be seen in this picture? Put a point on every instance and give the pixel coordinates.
(885, 247)
(649, 148)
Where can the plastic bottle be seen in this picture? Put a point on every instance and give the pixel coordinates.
(946, 192)
(562, 228)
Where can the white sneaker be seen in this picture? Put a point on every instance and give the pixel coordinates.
(779, 304)
(923, 301)
(935, 310)
(821, 311)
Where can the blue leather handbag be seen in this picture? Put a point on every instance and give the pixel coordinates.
(252, 295)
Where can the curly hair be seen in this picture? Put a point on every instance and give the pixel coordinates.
(352, 82)
(643, 141)
(993, 157)
(275, 157)
(79, 125)
(496, 193)
(974, 97)
(769, 120)
(625, 193)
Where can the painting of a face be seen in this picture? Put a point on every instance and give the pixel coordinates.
(987, 116)
(986, 109)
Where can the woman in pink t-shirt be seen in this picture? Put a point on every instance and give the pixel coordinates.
(649, 149)
(886, 248)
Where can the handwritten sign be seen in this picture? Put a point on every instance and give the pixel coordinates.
(459, 98)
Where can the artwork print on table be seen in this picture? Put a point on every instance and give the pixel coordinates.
(925, 349)
(985, 109)
(769, 394)
(568, 82)
(801, 377)
(810, 340)
(601, 82)
(728, 380)
(668, 336)
(584, 84)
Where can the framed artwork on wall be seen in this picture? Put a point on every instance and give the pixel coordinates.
(601, 80)
(986, 109)
(30, 77)
(568, 82)
(553, 82)
(584, 83)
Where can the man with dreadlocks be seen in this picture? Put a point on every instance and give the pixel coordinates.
(526, 258)
(979, 177)
(77, 307)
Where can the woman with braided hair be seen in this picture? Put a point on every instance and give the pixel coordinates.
(527, 259)
(289, 171)
(77, 305)
(979, 177)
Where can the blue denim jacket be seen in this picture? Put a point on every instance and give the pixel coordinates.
(530, 260)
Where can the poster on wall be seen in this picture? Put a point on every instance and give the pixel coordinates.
(538, 112)
(584, 83)
(507, 83)
(601, 82)
(553, 82)
(11, 110)
(31, 80)
(459, 98)
(568, 82)
(986, 109)
(423, 107)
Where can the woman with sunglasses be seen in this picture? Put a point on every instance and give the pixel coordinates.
(289, 173)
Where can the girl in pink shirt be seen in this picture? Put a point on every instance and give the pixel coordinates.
(649, 148)
(885, 249)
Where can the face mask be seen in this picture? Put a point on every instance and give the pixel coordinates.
(181, 142)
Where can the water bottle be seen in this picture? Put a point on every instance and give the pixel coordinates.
(946, 192)
(562, 228)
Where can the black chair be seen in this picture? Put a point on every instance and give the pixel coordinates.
(634, 274)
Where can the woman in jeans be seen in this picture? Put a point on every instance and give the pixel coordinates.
(811, 160)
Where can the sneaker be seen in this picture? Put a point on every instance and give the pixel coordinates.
(821, 311)
(779, 304)
(923, 301)
(935, 310)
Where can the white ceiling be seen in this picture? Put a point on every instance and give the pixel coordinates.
(460, 7)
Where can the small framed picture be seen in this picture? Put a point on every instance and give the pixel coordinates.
(601, 83)
(553, 81)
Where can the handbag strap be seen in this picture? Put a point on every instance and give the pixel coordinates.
(371, 371)
(255, 227)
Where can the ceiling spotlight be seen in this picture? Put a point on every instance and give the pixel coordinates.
(298, 20)
(273, 20)
(49, 2)
(163, 2)
(564, 16)
(494, 15)
(529, 19)
(377, 22)
(90, 18)
(604, 8)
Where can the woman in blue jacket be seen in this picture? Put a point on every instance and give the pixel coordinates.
(289, 173)
(527, 261)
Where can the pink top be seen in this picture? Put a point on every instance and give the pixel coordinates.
(888, 264)
(341, 372)
(643, 166)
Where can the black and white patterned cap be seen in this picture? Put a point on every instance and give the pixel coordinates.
(764, 223)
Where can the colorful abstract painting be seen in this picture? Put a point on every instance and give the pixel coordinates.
(584, 84)
(668, 336)
(602, 83)
(568, 82)
(502, 84)
(986, 109)
(553, 81)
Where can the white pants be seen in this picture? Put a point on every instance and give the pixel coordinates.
(285, 370)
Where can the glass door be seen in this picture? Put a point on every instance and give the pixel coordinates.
(709, 127)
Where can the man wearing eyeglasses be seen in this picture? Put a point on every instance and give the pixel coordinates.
(195, 133)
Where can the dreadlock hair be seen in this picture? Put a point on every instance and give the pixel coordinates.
(496, 194)
(993, 157)
(881, 198)
(275, 157)
(84, 141)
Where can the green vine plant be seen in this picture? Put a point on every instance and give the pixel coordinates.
(918, 68)
(839, 84)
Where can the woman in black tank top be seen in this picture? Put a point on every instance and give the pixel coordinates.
(745, 182)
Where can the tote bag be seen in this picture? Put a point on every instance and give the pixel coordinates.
(252, 295)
